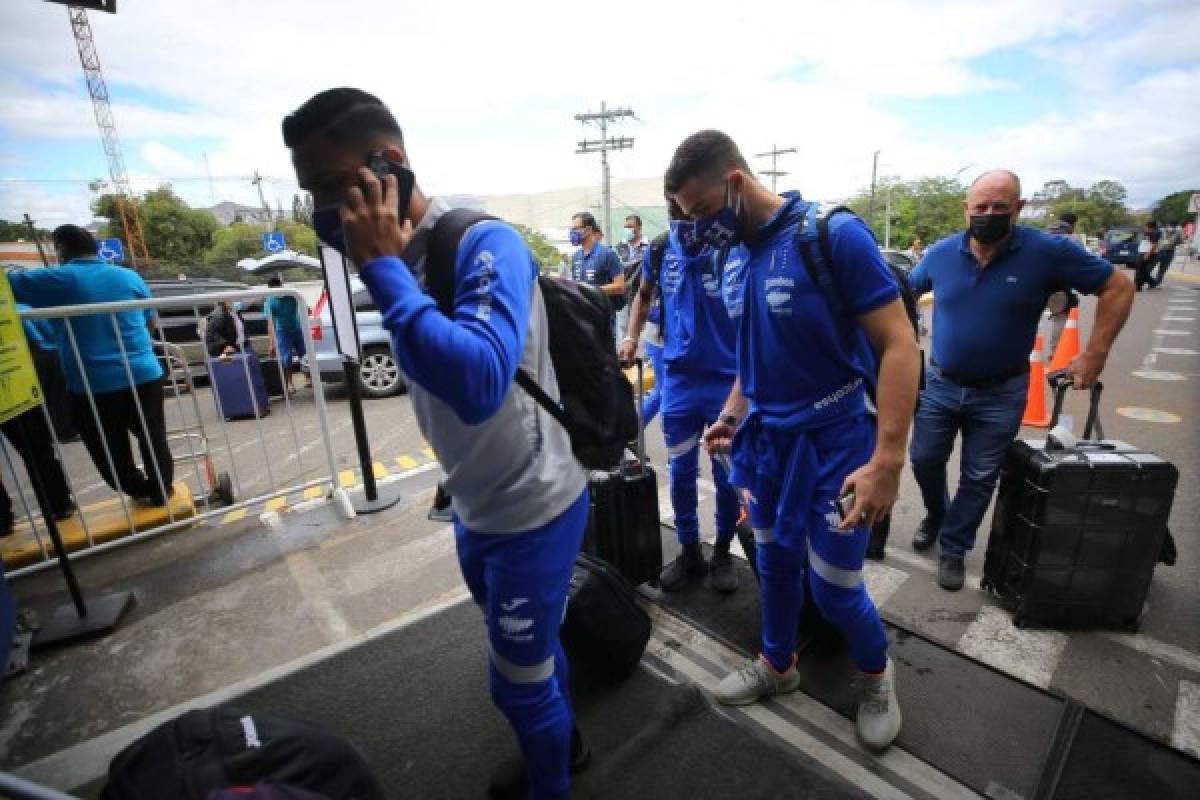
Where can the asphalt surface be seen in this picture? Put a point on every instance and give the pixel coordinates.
(228, 601)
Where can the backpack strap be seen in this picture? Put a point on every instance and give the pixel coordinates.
(817, 255)
(441, 253)
(531, 386)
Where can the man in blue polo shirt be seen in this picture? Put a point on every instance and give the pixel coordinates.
(990, 284)
(699, 368)
(595, 262)
(113, 375)
(804, 437)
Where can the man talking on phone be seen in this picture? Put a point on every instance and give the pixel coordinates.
(519, 496)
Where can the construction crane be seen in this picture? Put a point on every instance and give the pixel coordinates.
(88, 57)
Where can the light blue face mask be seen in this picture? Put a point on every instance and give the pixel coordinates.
(237, 306)
(627, 234)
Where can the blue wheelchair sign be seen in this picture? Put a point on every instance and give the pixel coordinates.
(111, 250)
(273, 242)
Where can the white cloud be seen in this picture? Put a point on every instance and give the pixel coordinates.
(486, 91)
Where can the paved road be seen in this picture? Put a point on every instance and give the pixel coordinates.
(326, 581)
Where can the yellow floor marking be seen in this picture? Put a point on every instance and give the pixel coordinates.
(406, 462)
(346, 478)
(275, 503)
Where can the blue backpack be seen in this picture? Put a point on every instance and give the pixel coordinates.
(816, 250)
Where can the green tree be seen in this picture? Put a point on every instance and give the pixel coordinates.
(302, 208)
(1099, 207)
(1173, 209)
(926, 208)
(176, 234)
(12, 231)
(243, 240)
(546, 254)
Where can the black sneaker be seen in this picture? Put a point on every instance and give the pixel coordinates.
(952, 572)
(687, 567)
(722, 573)
(510, 781)
(926, 536)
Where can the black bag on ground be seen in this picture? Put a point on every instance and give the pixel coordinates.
(623, 524)
(596, 398)
(605, 631)
(273, 377)
(1076, 532)
(216, 748)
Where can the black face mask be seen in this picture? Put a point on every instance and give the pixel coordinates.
(990, 228)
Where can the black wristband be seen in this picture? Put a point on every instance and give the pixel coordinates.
(730, 419)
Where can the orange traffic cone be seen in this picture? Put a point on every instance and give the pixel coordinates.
(1035, 402)
(1068, 344)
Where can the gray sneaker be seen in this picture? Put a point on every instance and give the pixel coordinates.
(755, 680)
(878, 720)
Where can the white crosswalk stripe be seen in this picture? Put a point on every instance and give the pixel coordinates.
(1186, 732)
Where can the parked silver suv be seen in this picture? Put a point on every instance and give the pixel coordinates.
(378, 369)
(379, 372)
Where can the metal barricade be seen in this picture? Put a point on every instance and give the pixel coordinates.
(175, 422)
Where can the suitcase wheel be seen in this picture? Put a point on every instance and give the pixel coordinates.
(1020, 621)
(1132, 625)
(985, 584)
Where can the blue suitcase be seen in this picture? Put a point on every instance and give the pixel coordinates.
(236, 396)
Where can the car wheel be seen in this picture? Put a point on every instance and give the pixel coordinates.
(379, 374)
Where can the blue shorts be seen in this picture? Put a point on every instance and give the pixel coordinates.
(290, 346)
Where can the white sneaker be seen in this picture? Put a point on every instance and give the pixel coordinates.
(878, 720)
(756, 680)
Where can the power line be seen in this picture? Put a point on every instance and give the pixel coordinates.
(602, 145)
(774, 171)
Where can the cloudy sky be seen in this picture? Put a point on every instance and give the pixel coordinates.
(487, 91)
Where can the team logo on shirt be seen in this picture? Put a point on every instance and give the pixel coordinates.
(515, 628)
(485, 274)
(779, 294)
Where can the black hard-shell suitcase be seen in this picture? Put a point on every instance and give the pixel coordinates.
(604, 631)
(624, 527)
(1076, 532)
(273, 378)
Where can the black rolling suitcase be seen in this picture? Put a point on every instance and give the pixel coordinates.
(1077, 532)
(623, 526)
(273, 378)
(604, 631)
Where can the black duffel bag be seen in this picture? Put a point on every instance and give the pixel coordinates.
(605, 631)
(211, 749)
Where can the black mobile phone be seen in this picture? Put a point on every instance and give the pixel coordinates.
(844, 504)
(381, 165)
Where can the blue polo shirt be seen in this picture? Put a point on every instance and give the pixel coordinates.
(90, 280)
(799, 366)
(700, 356)
(597, 268)
(985, 320)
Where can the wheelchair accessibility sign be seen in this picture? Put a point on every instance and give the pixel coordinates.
(111, 250)
(273, 242)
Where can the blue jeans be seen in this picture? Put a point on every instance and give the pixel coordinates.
(989, 420)
(520, 580)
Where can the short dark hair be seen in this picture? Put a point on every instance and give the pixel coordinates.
(1152, 224)
(636, 219)
(74, 242)
(275, 281)
(340, 115)
(588, 219)
(1069, 217)
(700, 155)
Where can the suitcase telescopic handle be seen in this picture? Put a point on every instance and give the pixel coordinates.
(641, 397)
(1060, 381)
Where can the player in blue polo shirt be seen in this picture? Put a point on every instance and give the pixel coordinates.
(990, 284)
(699, 368)
(804, 437)
(595, 263)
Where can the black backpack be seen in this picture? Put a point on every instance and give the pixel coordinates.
(216, 748)
(817, 252)
(596, 398)
(658, 251)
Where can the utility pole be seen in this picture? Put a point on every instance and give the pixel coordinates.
(774, 172)
(33, 234)
(871, 205)
(887, 222)
(602, 146)
(257, 181)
